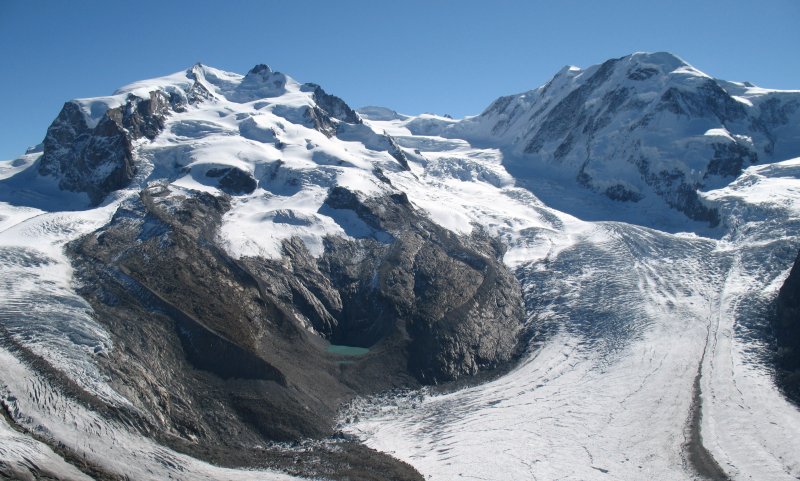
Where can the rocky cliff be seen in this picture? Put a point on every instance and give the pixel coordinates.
(787, 333)
(98, 159)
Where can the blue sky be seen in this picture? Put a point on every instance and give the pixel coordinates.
(450, 57)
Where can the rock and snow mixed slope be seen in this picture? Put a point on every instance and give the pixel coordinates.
(646, 295)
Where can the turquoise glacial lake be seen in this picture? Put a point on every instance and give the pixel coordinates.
(341, 350)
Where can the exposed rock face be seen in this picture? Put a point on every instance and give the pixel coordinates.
(233, 181)
(457, 303)
(98, 160)
(396, 152)
(213, 362)
(197, 92)
(152, 274)
(319, 120)
(787, 333)
(331, 104)
(325, 114)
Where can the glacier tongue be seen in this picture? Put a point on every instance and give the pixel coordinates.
(627, 322)
(624, 320)
(39, 307)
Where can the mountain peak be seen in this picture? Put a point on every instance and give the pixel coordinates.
(570, 70)
(262, 82)
(667, 61)
(646, 125)
(195, 71)
(260, 69)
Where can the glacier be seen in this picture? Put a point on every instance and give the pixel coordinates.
(649, 352)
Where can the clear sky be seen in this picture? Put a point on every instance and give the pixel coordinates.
(451, 57)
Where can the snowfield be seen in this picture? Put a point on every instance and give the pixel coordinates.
(647, 345)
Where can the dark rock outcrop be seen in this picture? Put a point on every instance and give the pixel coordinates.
(786, 324)
(396, 152)
(327, 111)
(730, 159)
(197, 92)
(332, 105)
(450, 298)
(98, 160)
(215, 362)
(233, 181)
(319, 120)
(677, 192)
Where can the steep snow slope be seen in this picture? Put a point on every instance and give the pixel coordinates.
(648, 358)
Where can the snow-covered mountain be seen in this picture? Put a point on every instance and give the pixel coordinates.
(211, 275)
(648, 124)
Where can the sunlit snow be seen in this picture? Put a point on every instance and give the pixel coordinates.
(627, 317)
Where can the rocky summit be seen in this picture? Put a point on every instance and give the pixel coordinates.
(210, 275)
